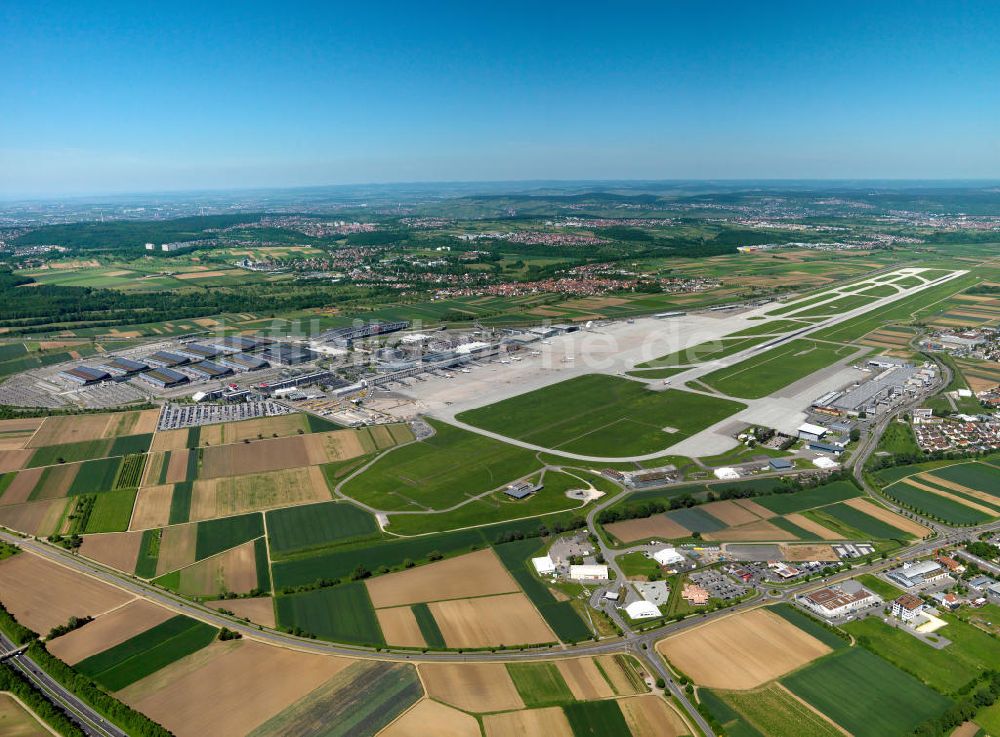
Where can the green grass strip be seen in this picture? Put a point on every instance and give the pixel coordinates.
(263, 566)
(428, 626)
(180, 503)
(149, 554)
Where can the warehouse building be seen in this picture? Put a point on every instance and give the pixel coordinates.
(913, 575)
(345, 337)
(198, 352)
(85, 375)
(838, 601)
(594, 572)
(240, 343)
(166, 359)
(244, 362)
(164, 378)
(521, 489)
(117, 366)
(642, 609)
(808, 431)
(286, 354)
(209, 370)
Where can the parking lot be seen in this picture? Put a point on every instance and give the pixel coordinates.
(718, 584)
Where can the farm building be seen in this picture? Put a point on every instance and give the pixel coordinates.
(244, 362)
(912, 575)
(197, 352)
(285, 354)
(521, 489)
(544, 565)
(85, 375)
(117, 366)
(642, 609)
(164, 378)
(166, 359)
(668, 557)
(209, 370)
(809, 431)
(780, 464)
(907, 607)
(591, 572)
(837, 601)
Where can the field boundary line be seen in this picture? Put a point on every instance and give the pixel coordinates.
(210, 557)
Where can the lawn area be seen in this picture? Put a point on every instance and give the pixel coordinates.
(971, 651)
(596, 719)
(539, 684)
(604, 416)
(310, 526)
(637, 564)
(777, 713)
(865, 694)
(771, 327)
(340, 613)
(898, 440)
(886, 590)
(440, 471)
(766, 373)
(989, 719)
(147, 652)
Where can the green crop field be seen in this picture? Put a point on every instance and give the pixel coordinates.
(933, 505)
(971, 651)
(84, 450)
(440, 471)
(539, 684)
(340, 613)
(977, 476)
(428, 626)
(261, 564)
(295, 529)
(130, 471)
(596, 719)
(217, 535)
(777, 713)
(95, 476)
(601, 415)
(112, 511)
(865, 523)
(734, 723)
(696, 520)
(180, 502)
(774, 369)
(704, 352)
(147, 652)
(149, 554)
(818, 496)
(866, 695)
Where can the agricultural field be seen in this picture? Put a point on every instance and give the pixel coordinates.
(959, 494)
(108, 631)
(308, 527)
(776, 712)
(776, 368)
(16, 720)
(601, 415)
(342, 613)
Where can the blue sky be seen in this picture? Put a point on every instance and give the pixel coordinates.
(115, 96)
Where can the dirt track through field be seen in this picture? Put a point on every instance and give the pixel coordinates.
(508, 619)
(477, 687)
(119, 550)
(550, 722)
(108, 630)
(741, 651)
(431, 718)
(890, 518)
(475, 574)
(644, 528)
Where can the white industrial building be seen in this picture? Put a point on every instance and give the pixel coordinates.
(809, 431)
(838, 601)
(668, 557)
(544, 566)
(593, 572)
(912, 575)
(642, 609)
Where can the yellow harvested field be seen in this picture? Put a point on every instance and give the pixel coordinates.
(153, 468)
(118, 550)
(228, 689)
(751, 506)
(35, 518)
(201, 275)
(152, 507)
(431, 718)
(65, 593)
(730, 513)
(15, 434)
(17, 720)
(800, 520)
(22, 485)
(476, 687)
(741, 651)
(177, 467)
(170, 440)
(475, 574)
(259, 428)
(177, 548)
(759, 530)
(890, 518)
(108, 630)
(550, 722)
(584, 679)
(232, 570)
(802, 553)
(277, 454)
(221, 497)
(400, 627)
(644, 528)
(508, 619)
(14, 460)
(259, 610)
(74, 428)
(21, 424)
(613, 666)
(651, 716)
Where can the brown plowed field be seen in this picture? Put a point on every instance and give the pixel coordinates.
(431, 718)
(890, 518)
(742, 651)
(400, 627)
(759, 530)
(108, 630)
(152, 507)
(14, 460)
(550, 722)
(801, 553)
(221, 497)
(74, 428)
(643, 528)
(508, 619)
(751, 506)
(42, 595)
(231, 689)
(119, 550)
(475, 574)
(278, 454)
(651, 716)
(20, 488)
(177, 548)
(730, 513)
(477, 687)
(584, 679)
(800, 520)
(170, 440)
(237, 432)
(34, 518)
(58, 480)
(177, 468)
(233, 570)
(258, 611)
